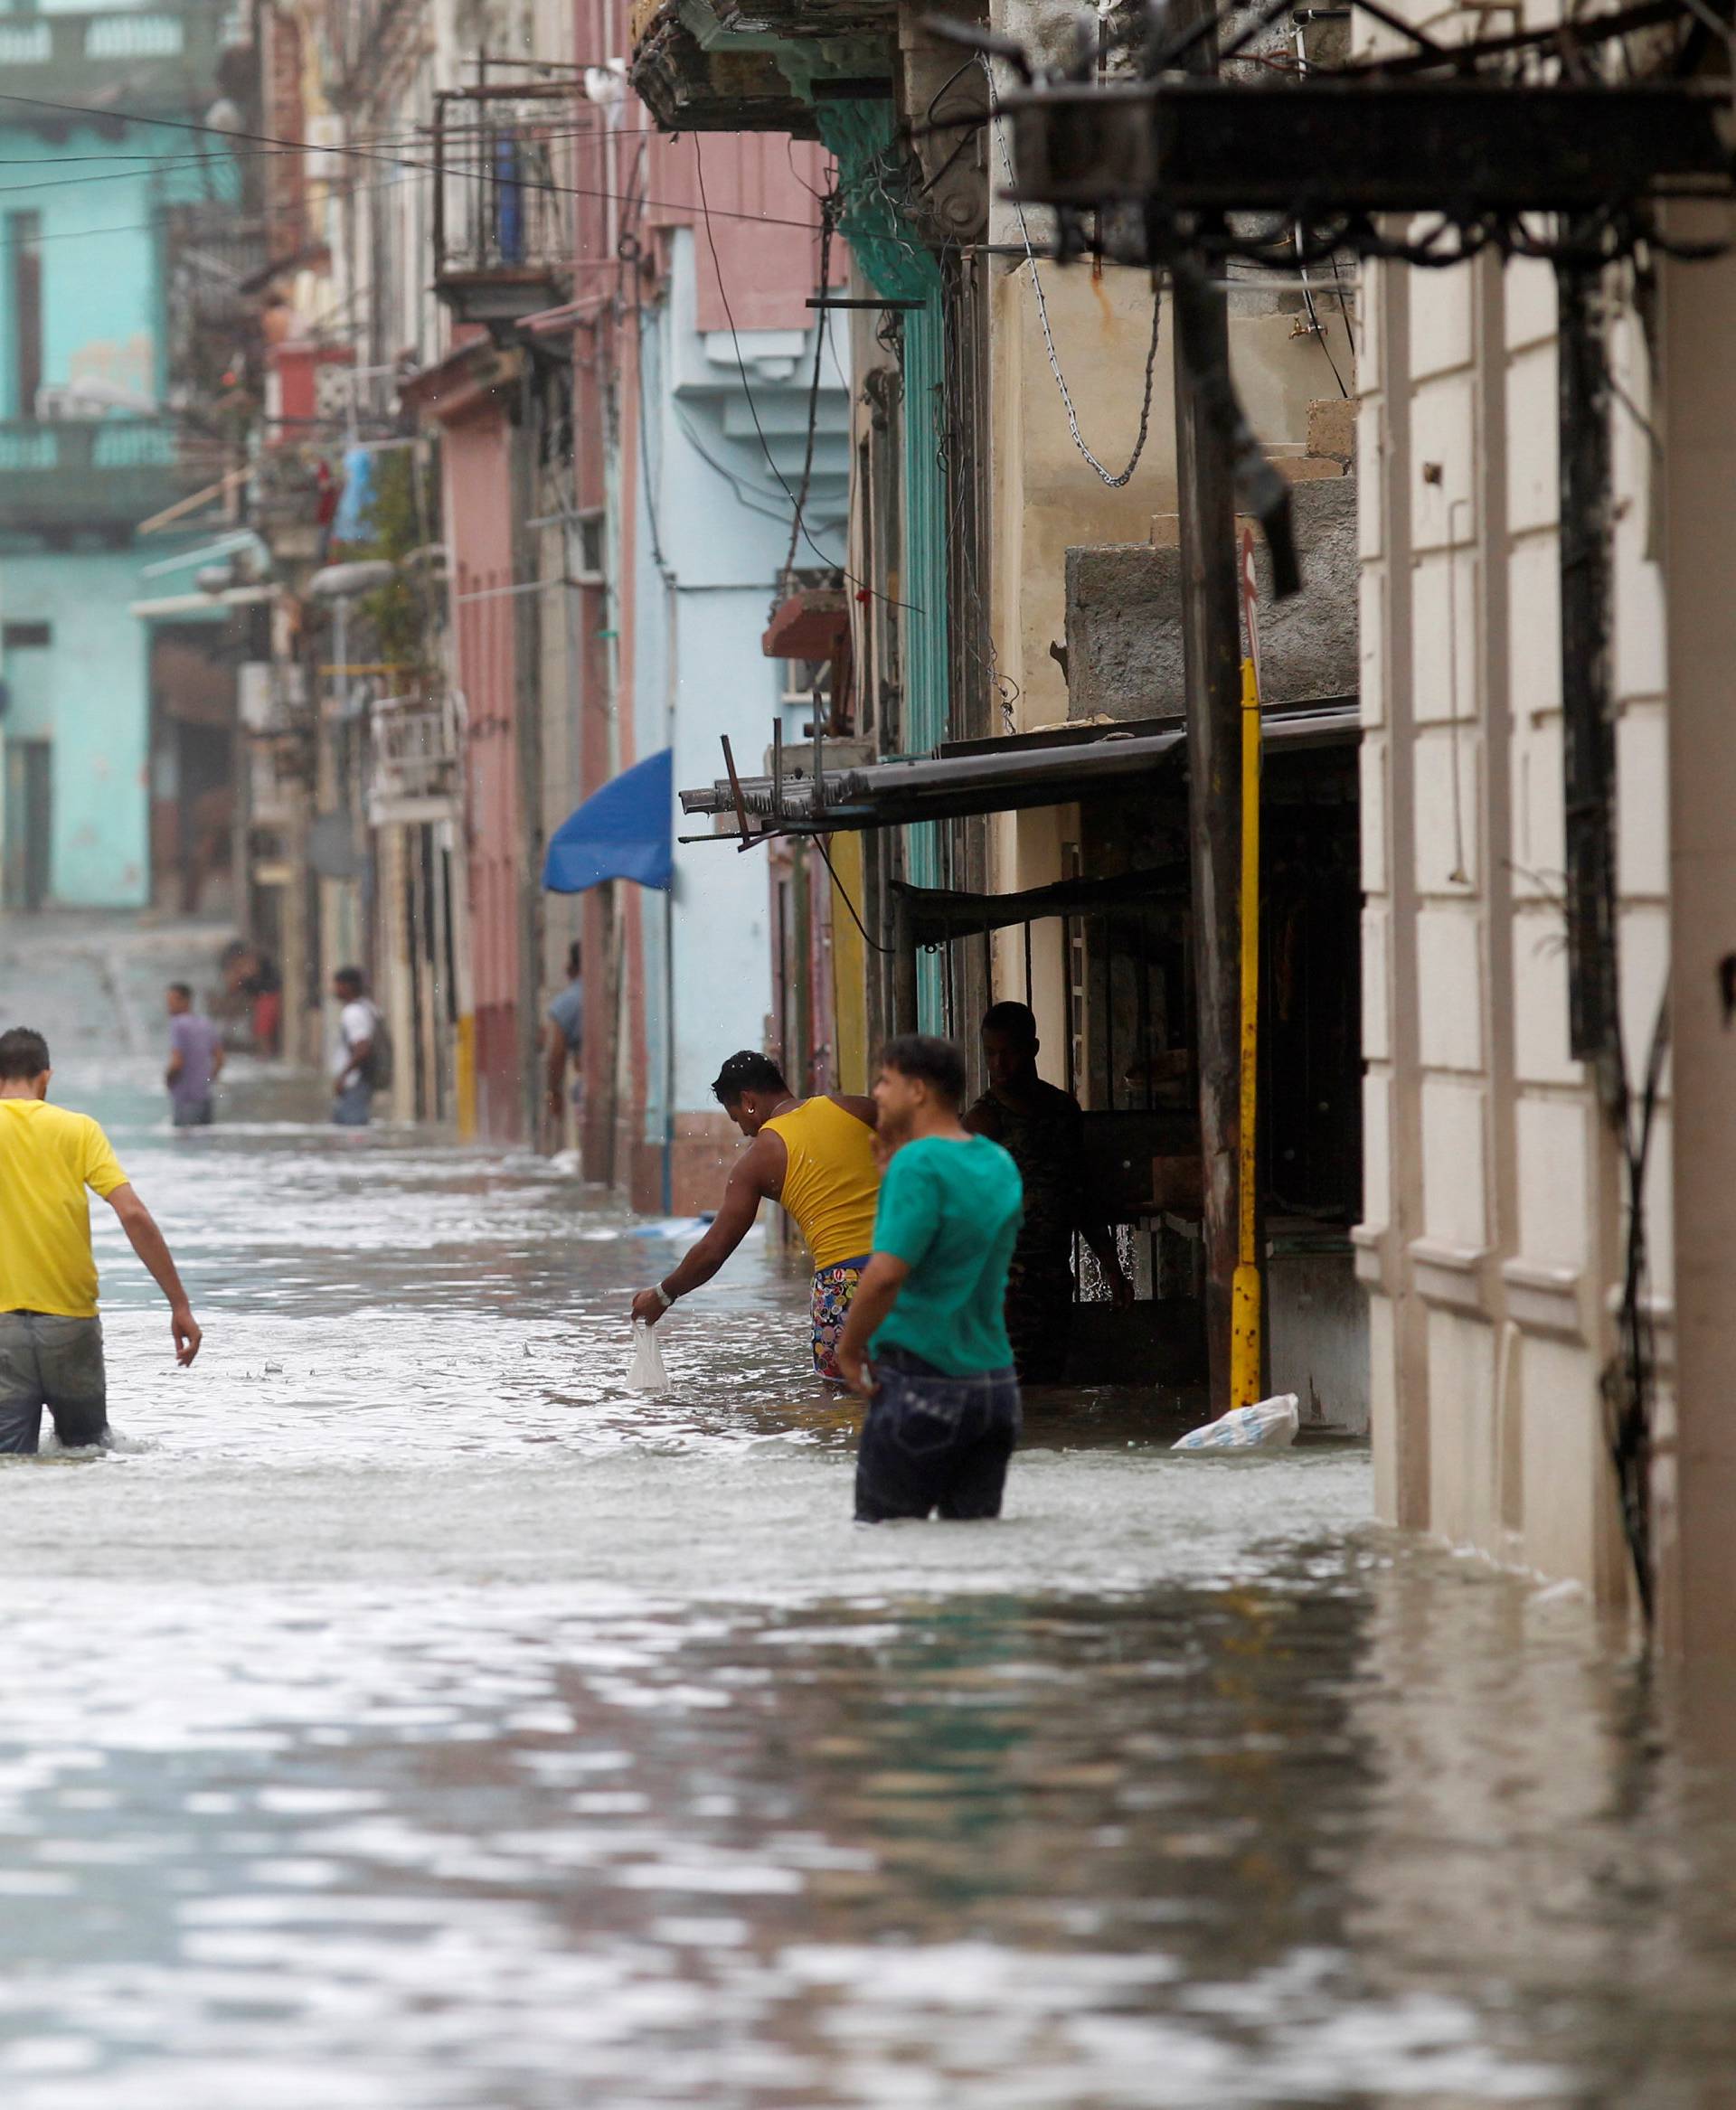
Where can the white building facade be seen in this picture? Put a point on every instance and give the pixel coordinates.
(1498, 1239)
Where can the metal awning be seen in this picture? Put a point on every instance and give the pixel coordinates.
(982, 777)
(938, 914)
(170, 605)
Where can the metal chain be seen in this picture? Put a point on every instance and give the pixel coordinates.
(1109, 476)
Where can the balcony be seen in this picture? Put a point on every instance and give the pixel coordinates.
(152, 58)
(715, 65)
(65, 479)
(504, 229)
(212, 252)
(414, 776)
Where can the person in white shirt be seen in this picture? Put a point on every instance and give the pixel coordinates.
(358, 1026)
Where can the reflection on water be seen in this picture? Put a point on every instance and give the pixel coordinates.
(416, 1717)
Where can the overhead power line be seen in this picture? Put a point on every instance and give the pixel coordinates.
(95, 116)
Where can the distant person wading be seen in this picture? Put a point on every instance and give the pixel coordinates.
(563, 1038)
(51, 1338)
(360, 1063)
(814, 1156)
(195, 1061)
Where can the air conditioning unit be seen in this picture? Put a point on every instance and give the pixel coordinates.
(267, 696)
(324, 161)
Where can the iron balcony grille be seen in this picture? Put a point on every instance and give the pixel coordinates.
(504, 224)
(415, 755)
(60, 475)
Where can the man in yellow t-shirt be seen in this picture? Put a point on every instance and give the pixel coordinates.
(51, 1338)
(816, 1158)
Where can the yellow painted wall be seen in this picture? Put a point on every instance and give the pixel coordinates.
(849, 968)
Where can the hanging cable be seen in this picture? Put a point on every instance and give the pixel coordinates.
(821, 324)
(872, 943)
(96, 116)
(1113, 478)
(831, 563)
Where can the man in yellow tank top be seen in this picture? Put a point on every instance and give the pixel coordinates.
(816, 1158)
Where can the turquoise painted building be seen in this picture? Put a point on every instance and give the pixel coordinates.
(99, 430)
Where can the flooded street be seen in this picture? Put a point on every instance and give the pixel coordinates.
(410, 1718)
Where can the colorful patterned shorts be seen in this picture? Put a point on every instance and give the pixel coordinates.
(834, 1287)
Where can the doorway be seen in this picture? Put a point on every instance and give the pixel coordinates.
(29, 811)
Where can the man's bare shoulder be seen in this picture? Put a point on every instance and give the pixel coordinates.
(762, 1165)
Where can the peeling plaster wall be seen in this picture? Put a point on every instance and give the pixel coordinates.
(97, 715)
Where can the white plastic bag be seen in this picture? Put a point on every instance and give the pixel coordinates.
(1269, 1425)
(645, 1372)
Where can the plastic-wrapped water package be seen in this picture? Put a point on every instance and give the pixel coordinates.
(1269, 1425)
(645, 1372)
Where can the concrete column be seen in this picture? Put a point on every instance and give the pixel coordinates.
(1409, 1478)
(1696, 1549)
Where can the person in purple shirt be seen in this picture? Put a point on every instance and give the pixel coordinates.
(195, 1061)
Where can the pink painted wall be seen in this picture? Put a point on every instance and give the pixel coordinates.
(479, 528)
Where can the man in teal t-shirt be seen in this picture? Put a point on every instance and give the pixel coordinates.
(925, 1340)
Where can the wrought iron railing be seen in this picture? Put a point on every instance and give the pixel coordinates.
(415, 751)
(503, 161)
(213, 251)
(66, 472)
(52, 51)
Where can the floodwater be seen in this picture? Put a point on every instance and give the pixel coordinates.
(410, 1718)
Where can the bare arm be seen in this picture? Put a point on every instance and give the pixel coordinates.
(756, 1171)
(876, 1293)
(863, 1109)
(149, 1244)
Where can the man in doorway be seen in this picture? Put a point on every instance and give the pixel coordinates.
(925, 1340)
(195, 1061)
(352, 1051)
(563, 1040)
(1040, 1125)
(816, 1158)
(51, 1338)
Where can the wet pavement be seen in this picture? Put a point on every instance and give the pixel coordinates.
(410, 1718)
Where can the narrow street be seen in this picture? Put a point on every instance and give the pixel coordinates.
(408, 1715)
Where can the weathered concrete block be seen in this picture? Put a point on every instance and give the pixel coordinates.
(1332, 429)
(1124, 616)
(1124, 632)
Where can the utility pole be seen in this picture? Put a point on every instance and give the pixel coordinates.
(1212, 662)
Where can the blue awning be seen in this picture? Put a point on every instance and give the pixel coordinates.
(624, 831)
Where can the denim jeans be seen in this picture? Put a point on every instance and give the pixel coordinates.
(933, 1442)
(46, 1361)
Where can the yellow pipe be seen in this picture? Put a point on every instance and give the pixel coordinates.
(1245, 1294)
(464, 1077)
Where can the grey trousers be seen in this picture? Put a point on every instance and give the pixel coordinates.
(353, 1107)
(49, 1362)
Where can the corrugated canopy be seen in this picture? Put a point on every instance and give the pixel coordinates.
(990, 775)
